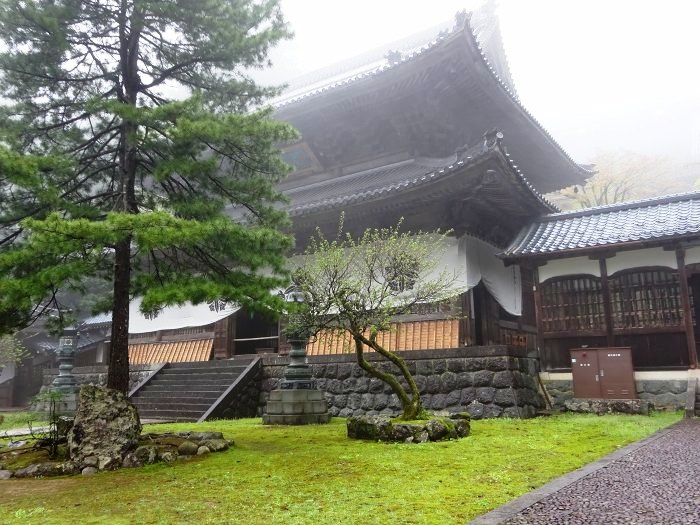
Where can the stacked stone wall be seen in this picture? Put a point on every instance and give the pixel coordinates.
(661, 394)
(487, 382)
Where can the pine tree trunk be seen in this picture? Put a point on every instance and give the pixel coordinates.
(129, 34)
(118, 370)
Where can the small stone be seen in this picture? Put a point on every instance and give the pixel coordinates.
(187, 448)
(436, 429)
(216, 445)
(88, 471)
(5, 474)
(131, 461)
(146, 454)
(70, 467)
(422, 437)
(90, 461)
(462, 427)
(201, 451)
(108, 463)
(168, 457)
(403, 432)
(369, 427)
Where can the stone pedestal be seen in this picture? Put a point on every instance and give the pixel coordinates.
(67, 405)
(296, 407)
(297, 401)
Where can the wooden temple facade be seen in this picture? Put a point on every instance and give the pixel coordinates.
(624, 275)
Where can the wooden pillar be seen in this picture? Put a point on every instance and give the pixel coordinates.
(687, 313)
(538, 315)
(464, 320)
(607, 304)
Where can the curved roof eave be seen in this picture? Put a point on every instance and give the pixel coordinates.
(468, 158)
(516, 100)
(405, 60)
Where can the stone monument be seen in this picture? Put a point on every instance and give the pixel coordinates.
(297, 401)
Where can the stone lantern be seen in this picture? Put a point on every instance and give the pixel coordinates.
(65, 383)
(297, 401)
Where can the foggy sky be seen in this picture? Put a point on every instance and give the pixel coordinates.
(600, 75)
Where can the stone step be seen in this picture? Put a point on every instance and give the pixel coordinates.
(225, 374)
(183, 388)
(174, 415)
(184, 395)
(148, 406)
(233, 369)
(221, 363)
(180, 401)
(191, 381)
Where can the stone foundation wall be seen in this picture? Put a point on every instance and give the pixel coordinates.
(661, 394)
(487, 382)
(97, 375)
(243, 400)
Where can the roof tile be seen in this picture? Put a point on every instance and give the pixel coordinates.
(649, 219)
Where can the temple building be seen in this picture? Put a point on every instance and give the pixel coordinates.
(431, 132)
(619, 276)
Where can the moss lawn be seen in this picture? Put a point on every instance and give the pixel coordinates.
(315, 475)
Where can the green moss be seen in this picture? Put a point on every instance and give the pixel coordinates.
(315, 474)
(24, 456)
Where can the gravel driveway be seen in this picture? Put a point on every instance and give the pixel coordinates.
(657, 483)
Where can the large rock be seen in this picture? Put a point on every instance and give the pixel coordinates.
(106, 426)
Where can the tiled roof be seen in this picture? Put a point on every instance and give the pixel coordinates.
(98, 319)
(481, 25)
(644, 220)
(171, 352)
(470, 28)
(393, 178)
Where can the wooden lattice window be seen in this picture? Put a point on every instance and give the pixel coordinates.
(572, 303)
(646, 298)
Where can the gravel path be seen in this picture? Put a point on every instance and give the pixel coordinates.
(656, 484)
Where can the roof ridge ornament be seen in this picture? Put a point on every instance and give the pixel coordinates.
(461, 19)
(394, 56)
(492, 139)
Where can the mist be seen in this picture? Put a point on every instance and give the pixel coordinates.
(600, 76)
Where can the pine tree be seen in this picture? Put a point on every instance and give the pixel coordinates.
(150, 133)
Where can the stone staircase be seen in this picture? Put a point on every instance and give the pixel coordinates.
(697, 398)
(200, 391)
